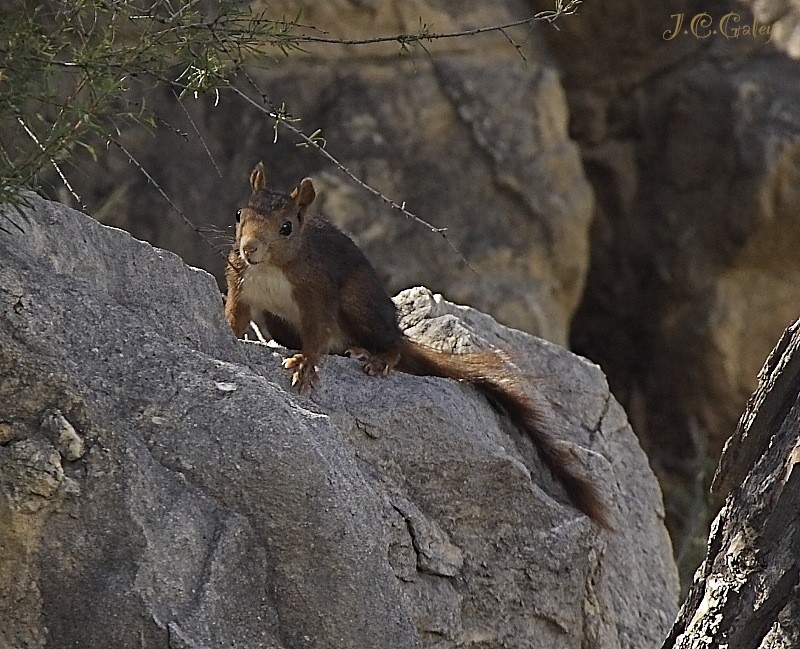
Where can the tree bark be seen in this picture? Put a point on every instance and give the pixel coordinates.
(746, 594)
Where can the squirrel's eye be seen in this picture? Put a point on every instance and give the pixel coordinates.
(238, 215)
(286, 228)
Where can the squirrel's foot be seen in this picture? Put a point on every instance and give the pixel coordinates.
(306, 373)
(375, 364)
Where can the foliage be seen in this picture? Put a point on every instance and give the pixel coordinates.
(67, 69)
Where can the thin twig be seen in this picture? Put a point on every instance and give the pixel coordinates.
(157, 119)
(404, 39)
(197, 132)
(155, 184)
(61, 175)
(281, 118)
(514, 44)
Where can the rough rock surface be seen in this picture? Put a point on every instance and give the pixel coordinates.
(160, 486)
(746, 594)
(474, 143)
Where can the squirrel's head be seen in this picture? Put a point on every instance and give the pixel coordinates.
(269, 227)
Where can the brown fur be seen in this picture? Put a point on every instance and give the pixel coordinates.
(315, 291)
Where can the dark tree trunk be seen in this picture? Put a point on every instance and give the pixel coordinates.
(746, 594)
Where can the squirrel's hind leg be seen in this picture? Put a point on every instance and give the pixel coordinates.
(379, 364)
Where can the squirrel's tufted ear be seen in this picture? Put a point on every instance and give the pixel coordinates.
(304, 194)
(258, 178)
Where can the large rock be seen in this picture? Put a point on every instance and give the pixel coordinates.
(161, 486)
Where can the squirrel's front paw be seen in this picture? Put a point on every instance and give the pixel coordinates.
(306, 373)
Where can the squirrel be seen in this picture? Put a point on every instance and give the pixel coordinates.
(316, 292)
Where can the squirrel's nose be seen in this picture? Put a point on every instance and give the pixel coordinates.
(248, 247)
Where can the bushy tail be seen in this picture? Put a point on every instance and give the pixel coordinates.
(488, 372)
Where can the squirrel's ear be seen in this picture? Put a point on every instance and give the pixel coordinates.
(304, 194)
(258, 178)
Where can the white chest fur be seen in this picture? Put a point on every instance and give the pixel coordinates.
(265, 288)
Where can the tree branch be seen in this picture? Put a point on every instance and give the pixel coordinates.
(549, 16)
